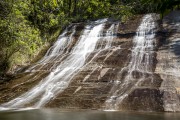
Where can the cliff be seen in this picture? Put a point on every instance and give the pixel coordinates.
(107, 80)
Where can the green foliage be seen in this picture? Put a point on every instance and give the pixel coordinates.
(26, 25)
(160, 6)
(17, 37)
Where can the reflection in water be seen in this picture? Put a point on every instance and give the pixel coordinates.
(54, 114)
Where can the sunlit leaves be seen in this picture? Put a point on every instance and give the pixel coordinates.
(17, 36)
(26, 24)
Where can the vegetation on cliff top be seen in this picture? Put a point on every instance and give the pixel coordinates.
(27, 25)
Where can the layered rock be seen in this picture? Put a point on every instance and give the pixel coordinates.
(168, 66)
(92, 85)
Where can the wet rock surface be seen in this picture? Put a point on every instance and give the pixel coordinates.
(90, 87)
(168, 62)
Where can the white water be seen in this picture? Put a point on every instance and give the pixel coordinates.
(111, 34)
(59, 79)
(141, 63)
(55, 51)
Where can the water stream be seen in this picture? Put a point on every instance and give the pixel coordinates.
(59, 79)
(65, 65)
(139, 66)
(61, 74)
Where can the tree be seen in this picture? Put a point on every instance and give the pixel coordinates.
(160, 5)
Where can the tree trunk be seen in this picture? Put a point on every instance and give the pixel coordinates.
(70, 3)
(75, 7)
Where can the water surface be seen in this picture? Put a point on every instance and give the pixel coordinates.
(55, 114)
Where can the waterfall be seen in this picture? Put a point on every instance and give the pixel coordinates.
(139, 66)
(60, 78)
(110, 34)
(55, 51)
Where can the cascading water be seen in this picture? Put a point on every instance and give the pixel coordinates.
(92, 67)
(55, 51)
(111, 34)
(60, 78)
(141, 63)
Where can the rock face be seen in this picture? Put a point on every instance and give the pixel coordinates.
(168, 66)
(105, 72)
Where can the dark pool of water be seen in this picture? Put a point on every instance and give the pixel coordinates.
(55, 114)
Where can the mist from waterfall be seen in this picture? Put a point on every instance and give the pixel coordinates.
(139, 66)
